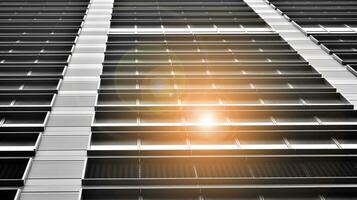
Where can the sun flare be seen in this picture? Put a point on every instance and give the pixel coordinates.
(207, 119)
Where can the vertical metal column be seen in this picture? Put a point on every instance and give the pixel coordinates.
(58, 164)
(334, 72)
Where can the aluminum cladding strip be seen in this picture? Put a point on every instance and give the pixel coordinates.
(57, 169)
(334, 72)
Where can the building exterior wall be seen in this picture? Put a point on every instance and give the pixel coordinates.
(174, 100)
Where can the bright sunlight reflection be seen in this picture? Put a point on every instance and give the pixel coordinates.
(207, 119)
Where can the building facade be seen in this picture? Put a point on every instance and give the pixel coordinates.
(178, 99)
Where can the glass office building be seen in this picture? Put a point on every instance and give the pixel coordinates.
(178, 99)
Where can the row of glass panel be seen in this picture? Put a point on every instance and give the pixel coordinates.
(342, 46)
(214, 83)
(39, 39)
(168, 48)
(143, 15)
(215, 194)
(196, 38)
(214, 99)
(314, 17)
(209, 70)
(263, 38)
(212, 141)
(207, 29)
(39, 71)
(183, 19)
(198, 57)
(183, 7)
(119, 2)
(30, 85)
(19, 143)
(225, 118)
(230, 170)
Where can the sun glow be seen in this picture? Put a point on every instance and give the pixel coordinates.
(207, 119)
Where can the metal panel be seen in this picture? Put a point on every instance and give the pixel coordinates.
(52, 196)
(58, 165)
(69, 120)
(74, 101)
(68, 143)
(42, 169)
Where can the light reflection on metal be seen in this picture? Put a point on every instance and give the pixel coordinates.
(207, 119)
